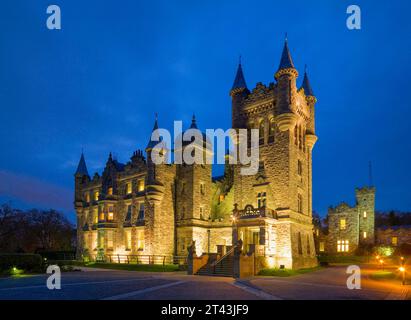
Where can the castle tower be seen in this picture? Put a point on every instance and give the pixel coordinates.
(193, 189)
(283, 115)
(365, 199)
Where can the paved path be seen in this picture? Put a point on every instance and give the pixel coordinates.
(329, 283)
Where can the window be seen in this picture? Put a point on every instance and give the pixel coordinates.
(308, 245)
(201, 212)
(342, 246)
(85, 241)
(296, 135)
(299, 168)
(141, 185)
(96, 195)
(140, 240)
(364, 235)
(87, 197)
(110, 216)
(202, 188)
(394, 241)
(300, 203)
(221, 198)
(261, 132)
(261, 199)
(300, 244)
(129, 188)
(343, 224)
(127, 239)
(140, 211)
(100, 240)
(364, 214)
(322, 246)
(110, 239)
(271, 131)
(110, 191)
(129, 212)
(102, 214)
(95, 215)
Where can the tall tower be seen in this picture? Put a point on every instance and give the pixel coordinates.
(365, 198)
(284, 117)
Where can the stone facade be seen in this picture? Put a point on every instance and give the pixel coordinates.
(350, 227)
(394, 236)
(142, 209)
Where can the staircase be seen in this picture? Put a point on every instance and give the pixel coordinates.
(222, 267)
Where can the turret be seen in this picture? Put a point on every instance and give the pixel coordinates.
(238, 93)
(286, 77)
(81, 176)
(311, 100)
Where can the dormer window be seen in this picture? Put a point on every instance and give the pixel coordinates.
(110, 191)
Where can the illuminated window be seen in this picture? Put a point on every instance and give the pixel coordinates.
(110, 239)
(343, 224)
(261, 132)
(261, 199)
(110, 216)
(221, 198)
(322, 246)
(127, 239)
(394, 241)
(365, 214)
(271, 132)
(95, 215)
(300, 203)
(110, 191)
(342, 246)
(364, 235)
(129, 188)
(141, 185)
(96, 195)
(140, 240)
(102, 214)
(87, 197)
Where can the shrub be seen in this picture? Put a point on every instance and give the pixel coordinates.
(384, 251)
(25, 261)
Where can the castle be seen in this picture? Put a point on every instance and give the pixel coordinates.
(140, 208)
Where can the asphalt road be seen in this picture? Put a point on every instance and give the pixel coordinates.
(329, 283)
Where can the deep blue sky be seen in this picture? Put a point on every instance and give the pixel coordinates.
(96, 84)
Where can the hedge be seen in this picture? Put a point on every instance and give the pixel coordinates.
(25, 261)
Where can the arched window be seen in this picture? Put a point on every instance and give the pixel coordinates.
(271, 131)
(261, 132)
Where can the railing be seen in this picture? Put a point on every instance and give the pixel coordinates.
(224, 256)
(141, 259)
(250, 212)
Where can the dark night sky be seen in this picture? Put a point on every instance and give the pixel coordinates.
(96, 84)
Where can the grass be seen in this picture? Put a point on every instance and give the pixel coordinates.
(134, 267)
(286, 272)
(381, 275)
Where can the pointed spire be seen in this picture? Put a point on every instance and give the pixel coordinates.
(239, 81)
(152, 143)
(286, 61)
(193, 122)
(306, 84)
(82, 168)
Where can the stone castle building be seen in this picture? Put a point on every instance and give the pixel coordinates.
(350, 227)
(139, 208)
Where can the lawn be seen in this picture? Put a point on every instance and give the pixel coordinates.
(134, 267)
(344, 259)
(381, 275)
(286, 272)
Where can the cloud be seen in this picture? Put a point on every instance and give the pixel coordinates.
(34, 191)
